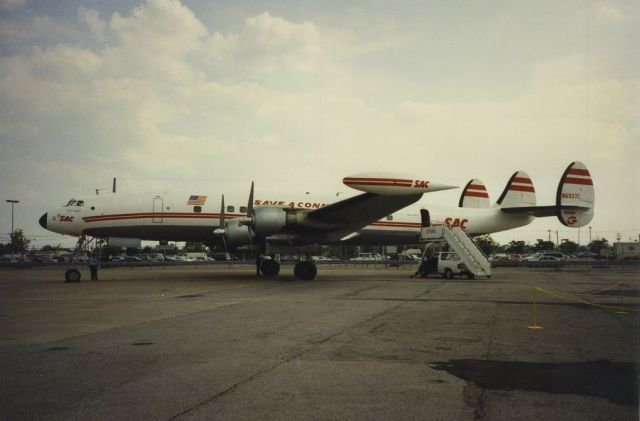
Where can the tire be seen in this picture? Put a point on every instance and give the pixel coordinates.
(72, 275)
(448, 273)
(306, 271)
(471, 275)
(270, 267)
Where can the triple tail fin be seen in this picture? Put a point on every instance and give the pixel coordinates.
(519, 191)
(575, 198)
(474, 195)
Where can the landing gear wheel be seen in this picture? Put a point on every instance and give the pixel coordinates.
(270, 267)
(72, 275)
(448, 273)
(471, 275)
(305, 270)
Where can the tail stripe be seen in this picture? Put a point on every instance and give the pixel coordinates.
(522, 180)
(518, 192)
(476, 194)
(579, 171)
(522, 188)
(582, 181)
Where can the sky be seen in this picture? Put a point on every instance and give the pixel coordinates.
(209, 95)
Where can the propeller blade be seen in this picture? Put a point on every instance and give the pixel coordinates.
(222, 224)
(250, 203)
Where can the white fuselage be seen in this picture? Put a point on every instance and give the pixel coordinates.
(168, 217)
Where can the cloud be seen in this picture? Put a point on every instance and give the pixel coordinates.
(91, 19)
(609, 13)
(11, 4)
(169, 99)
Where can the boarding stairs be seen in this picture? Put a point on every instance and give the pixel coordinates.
(473, 258)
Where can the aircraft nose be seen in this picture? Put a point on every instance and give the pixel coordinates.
(43, 221)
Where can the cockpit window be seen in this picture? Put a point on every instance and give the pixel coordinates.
(74, 202)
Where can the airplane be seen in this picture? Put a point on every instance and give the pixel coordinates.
(381, 215)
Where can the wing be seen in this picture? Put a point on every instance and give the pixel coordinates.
(344, 217)
(359, 211)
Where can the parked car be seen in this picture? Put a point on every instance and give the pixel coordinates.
(587, 255)
(544, 261)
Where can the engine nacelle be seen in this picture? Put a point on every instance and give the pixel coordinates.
(237, 234)
(268, 220)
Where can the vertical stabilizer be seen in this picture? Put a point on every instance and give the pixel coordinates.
(474, 195)
(518, 192)
(575, 191)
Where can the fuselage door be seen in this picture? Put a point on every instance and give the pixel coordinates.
(425, 218)
(158, 209)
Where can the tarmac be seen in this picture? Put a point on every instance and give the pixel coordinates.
(356, 343)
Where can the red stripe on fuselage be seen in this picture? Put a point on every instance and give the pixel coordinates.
(123, 216)
(396, 224)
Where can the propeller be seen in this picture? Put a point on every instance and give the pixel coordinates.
(246, 220)
(250, 216)
(222, 229)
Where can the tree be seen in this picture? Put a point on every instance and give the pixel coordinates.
(19, 243)
(542, 245)
(597, 245)
(516, 247)
(567, 246)
(486, 244)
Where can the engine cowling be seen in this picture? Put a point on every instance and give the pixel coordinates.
(237, 233)
(268, 220)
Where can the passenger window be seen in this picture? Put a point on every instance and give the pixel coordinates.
(231, 208)
(197, 209)
(243, 209)
(389, 217)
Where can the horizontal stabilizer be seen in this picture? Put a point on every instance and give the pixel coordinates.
(541, 211)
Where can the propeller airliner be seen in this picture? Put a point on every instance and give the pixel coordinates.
(385, 213)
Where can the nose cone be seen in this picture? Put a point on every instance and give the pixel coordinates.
(43, 221)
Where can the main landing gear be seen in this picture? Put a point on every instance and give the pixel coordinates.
(304, 270)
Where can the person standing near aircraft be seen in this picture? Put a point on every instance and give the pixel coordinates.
(93, 266)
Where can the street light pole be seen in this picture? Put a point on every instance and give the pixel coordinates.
(13, 202)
